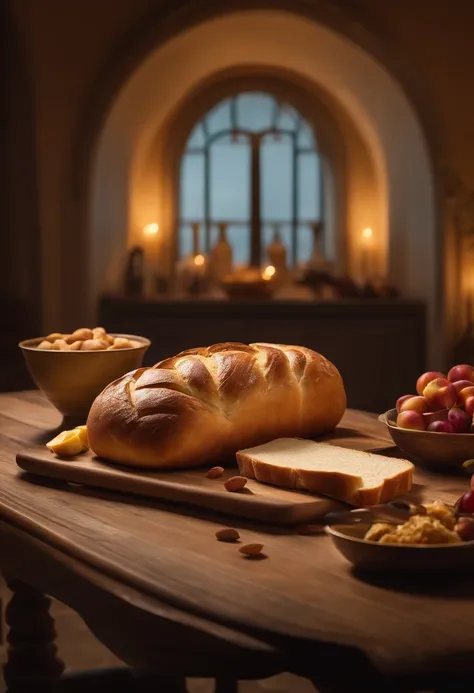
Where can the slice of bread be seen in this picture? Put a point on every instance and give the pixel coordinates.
(359, 478)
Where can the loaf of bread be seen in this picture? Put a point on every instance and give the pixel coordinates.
(205, 404)
(357, 477)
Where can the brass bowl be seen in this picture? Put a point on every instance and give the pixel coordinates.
(429, 447)
(399, 558)
(71, 380)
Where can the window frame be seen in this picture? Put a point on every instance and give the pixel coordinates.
(256, 138)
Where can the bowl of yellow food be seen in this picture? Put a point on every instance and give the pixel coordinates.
(72, 369)
(438, 540)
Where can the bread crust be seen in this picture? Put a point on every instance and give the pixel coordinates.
(204, 404)
(341, 485)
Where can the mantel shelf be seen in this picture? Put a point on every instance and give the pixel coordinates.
(377, 344)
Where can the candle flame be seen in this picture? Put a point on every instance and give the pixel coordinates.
(199, 260)
(367, 233)
(268, 272)
(151, 229)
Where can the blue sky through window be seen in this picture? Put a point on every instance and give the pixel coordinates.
(290, 175)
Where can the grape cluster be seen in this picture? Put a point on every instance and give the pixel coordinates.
(444, 403)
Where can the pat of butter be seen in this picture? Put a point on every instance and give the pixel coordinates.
(67, 443)
(82, 431)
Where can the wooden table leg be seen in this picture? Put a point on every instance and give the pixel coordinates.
(32, 664)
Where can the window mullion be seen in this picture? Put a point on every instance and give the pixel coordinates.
(207, 199)
(255, 237)
(294, 203)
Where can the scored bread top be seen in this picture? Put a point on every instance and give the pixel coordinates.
(354, 476)
(204, 404)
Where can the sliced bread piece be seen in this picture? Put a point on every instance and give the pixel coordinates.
(359, 478)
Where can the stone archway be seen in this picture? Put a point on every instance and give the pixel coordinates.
(398, 153)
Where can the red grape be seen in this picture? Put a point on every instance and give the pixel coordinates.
(441, 427)
(466, 503)
(460, 420)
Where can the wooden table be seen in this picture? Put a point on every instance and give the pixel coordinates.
(155, 586)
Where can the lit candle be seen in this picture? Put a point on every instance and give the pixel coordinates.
(199, 262)
(198, 277)
(367, 247)
(268, 273)
(151, 229)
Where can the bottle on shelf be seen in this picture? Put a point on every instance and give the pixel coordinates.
(221, 255)
(277, 256)
(192, 271)
(317, 260)
(319, 270)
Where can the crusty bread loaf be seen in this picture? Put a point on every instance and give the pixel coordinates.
(205, 404)
(357, 477)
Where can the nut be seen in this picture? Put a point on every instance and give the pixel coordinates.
(61, 345)
(121, 343)
(91, 345)
(69, 338)
(85, 339)
(235, 483)
(251, 549)
(82, 333)
(214, 472)
(227, 534)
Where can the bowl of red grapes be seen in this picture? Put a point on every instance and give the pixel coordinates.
(435, 424)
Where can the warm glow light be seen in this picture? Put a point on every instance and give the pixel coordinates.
(199, 260)
(268, 272)
(151, 229)
(367, 233)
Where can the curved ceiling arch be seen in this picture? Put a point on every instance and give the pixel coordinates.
(276, 39)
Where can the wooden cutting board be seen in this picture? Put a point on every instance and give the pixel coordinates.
(256, 501)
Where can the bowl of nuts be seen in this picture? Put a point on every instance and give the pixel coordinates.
(72, 369)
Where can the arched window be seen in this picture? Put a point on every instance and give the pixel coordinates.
(251, 163)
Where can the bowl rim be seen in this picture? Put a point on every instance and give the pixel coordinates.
(29, 345)
(410, 431)
(331, 530)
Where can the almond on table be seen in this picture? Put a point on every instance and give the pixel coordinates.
(235, 483)
(215, 472)
(251, 549)
(227, 534)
